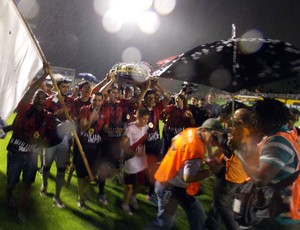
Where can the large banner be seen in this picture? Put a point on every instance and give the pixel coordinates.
(19, 57)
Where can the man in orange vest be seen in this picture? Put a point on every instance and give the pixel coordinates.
(178, 176)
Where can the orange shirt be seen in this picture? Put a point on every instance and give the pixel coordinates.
(185, 146)
(234, 170)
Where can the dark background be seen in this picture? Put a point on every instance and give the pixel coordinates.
(71, 34)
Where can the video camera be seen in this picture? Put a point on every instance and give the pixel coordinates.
(188, 87)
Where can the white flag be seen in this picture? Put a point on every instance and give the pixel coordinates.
(19, 58)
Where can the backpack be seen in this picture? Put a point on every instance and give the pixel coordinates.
(258, 206)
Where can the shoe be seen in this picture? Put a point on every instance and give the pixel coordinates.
(126, 209)
(58, 202)
(134, 203)
(152, 198)
(81, 205)
(102, 199)
(43, 192)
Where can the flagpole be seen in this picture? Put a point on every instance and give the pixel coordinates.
(85, 161)
(233, 37)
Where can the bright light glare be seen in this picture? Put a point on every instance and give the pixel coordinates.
(145, 4)
(130, 10)
(131, 5)
(29, 8)
(111, 22)
(251, 46)
(253, 34)
(117, 12)
(101, 6)
(131, 54)
(149, 22)
(164, 7)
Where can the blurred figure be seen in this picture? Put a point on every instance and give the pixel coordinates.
(200, 114)
(135, 159)
(128, 92)
(278, 158)
(149, 100)
(47, 86)
(129, 105)
(29, 131)
(4, 128)
(110, 157)
(211, 105)
(93, 118)
(295, 113)
(60, 150)
(227, 110)
(194, 101)
(84, 96)
(82, 100)
(232, 175)
(177, 117)
(201, 103)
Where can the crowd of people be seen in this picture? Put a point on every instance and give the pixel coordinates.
(112, 131)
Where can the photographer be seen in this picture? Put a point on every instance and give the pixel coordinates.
(276, 159)
(232, 175)
(188, 88)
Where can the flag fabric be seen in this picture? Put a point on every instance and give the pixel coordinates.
(20, 59)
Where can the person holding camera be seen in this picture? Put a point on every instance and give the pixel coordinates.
(276, 158)
(232, 174)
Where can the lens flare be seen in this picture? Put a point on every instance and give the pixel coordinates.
(131, 54)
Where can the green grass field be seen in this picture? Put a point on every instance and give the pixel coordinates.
(42, 214)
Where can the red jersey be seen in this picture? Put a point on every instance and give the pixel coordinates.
(78, 103)
(153, 131)
(30, 128)
(129, 110)
(115, 111)
(176, 117)
(53, 104)
(86, 111)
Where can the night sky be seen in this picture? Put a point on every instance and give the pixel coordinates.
(71, 34)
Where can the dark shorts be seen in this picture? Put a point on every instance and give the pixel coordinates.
(21, 163)
(92, 153)
(111, 154)
(153, 148)
(140, 178)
